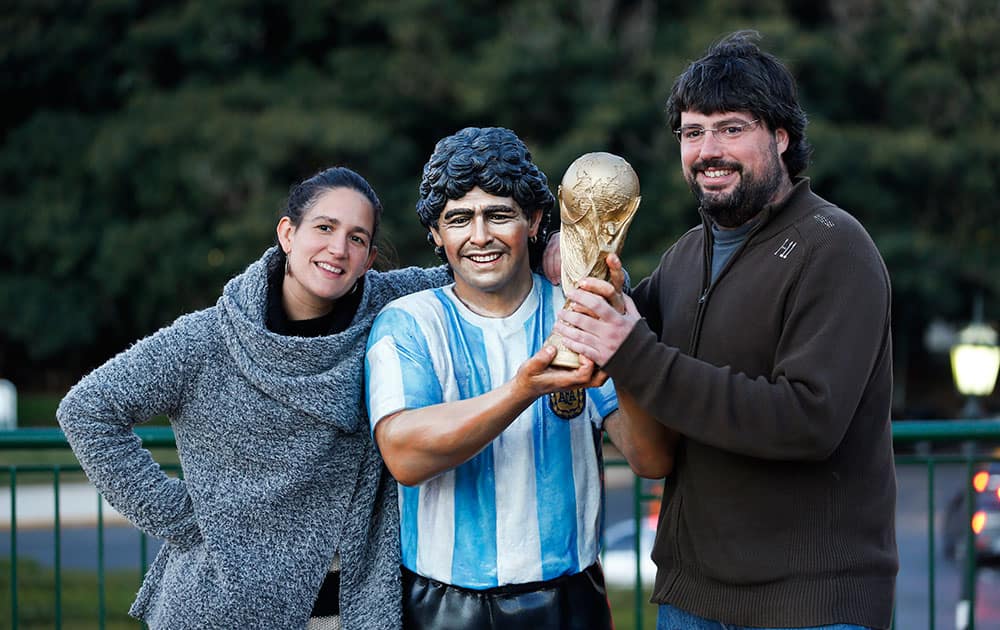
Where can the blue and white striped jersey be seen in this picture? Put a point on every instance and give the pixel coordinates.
(528, 506)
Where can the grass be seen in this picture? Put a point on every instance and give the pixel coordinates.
(79, 598)
(623, 610)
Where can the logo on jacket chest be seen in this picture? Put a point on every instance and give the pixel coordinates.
(785, 249)
(568, 404)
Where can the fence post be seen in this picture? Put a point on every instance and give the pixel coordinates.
(965, 609)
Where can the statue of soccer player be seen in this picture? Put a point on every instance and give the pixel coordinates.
(497, 453)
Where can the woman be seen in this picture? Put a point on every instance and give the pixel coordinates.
(281, 481)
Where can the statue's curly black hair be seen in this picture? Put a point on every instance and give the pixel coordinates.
(495, 160)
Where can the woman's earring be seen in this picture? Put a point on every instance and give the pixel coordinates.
(288, 269)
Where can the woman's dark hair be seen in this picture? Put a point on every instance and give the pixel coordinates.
(303, 196)
(736, 75)
(495, 160)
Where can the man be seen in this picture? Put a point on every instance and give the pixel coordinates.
(765, 343)
(498, 454)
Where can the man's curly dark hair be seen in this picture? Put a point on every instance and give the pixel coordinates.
(495, 160)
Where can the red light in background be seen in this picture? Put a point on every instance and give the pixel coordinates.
(980, 480)
(978, 521)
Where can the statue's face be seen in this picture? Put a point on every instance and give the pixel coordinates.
(485, 238)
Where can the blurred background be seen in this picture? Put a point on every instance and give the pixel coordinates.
(146, 148)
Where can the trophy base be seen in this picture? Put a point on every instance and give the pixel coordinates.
(566, 359)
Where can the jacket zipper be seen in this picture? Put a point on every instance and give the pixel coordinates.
(706, 280)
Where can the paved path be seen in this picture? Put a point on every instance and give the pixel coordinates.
(36, 506)
(78, 502)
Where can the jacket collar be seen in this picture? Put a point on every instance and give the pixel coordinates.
(768, 219)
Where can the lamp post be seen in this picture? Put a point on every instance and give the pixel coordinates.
(975, 361)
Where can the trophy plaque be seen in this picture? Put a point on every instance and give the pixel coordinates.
(598, 198)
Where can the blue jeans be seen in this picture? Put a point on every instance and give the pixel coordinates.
(672, 618)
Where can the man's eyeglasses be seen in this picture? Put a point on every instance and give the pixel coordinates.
(693, 135)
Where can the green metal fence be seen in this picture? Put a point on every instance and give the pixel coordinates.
(927, 444)
(973, 442)
(33, 594)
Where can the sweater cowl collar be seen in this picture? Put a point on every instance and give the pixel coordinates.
(320, 376)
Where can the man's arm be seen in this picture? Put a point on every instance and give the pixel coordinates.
(823, 361)
(418, 444)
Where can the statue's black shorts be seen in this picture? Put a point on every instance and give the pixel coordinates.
(569, 602)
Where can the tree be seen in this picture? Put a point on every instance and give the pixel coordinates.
(147, 149)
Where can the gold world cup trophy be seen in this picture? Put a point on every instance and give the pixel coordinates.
(598, 198)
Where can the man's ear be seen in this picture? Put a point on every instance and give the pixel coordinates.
(781, 139)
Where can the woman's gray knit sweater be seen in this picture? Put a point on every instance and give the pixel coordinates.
(279, 467)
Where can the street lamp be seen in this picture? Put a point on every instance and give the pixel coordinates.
(975, 360)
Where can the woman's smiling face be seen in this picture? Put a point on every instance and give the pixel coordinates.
(328, 251)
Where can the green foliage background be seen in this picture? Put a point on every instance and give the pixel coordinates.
(146, 148)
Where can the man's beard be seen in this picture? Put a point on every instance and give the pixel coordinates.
(747, 199)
